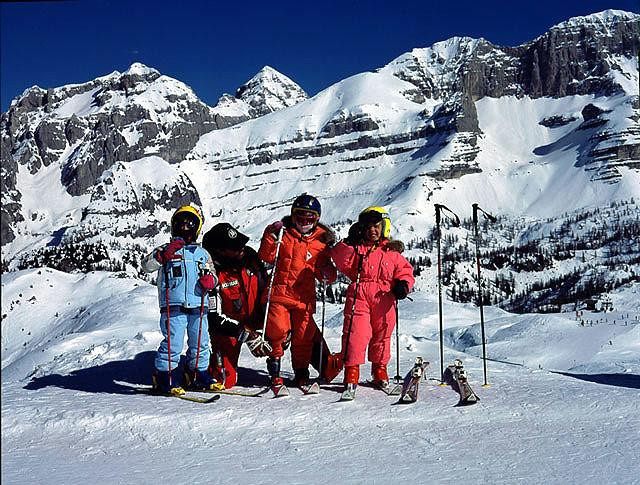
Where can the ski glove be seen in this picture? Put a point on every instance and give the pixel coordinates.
(355, 235)
(169, 252)
(258, 346)
(275, 227)
(208, 282)
(400, 289)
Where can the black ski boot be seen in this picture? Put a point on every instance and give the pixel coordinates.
(277, 383)
(302, 382)
(164, 383)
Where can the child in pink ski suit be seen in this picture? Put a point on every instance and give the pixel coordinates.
(385, 276)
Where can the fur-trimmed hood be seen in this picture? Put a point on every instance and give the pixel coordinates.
(395, 245)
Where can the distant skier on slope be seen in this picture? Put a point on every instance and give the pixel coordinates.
(380, 276)
(240, 313)
(185, 276)
(303, 258)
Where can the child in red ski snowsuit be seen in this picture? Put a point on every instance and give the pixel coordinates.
(239, 311)
(383, 276)
(303, 259)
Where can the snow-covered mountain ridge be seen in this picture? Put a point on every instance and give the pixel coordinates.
(462, 121)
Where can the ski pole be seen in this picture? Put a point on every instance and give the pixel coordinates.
(353, 307)
(456, 223)
(324, 292)
(397, 379)
(195, 370)
(166, 294)
(273, 273)
(488, 216)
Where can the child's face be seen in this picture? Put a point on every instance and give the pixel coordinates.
(231, 254)
(304, 220)
(372, 232)
(185, 227)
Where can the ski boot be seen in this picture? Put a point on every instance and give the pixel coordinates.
(201, 380)
(381, 380)
(380, 376)
(351, 377)
(277, 383)
(301, 377)
(302, 382)
(164, 383)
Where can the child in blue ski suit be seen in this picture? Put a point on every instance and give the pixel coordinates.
(185, 277)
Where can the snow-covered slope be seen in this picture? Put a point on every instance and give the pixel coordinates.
(69, 411)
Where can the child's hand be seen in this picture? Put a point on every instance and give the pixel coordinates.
(169, 253)
(400, 289)
(208, 282)
(275, 227)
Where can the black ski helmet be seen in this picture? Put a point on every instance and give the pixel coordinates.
(306, 202)
(193, 219)
(224, 236)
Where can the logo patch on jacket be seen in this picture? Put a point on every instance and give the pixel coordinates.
(229, 284)
(309, 255)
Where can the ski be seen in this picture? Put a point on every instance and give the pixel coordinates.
(236, 393)
(387, 388)
(184, 397)
(349, 394)
(456, 376)
(409, 391)
(313, 388)
(201, 400)
(280, 390)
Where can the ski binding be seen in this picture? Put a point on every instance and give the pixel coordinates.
(349, 393)
(456, 376)
(409, 391)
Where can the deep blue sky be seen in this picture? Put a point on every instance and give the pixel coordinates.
(214, 47)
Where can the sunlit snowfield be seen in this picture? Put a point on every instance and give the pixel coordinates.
(69, 412)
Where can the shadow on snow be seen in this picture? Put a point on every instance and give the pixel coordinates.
(136, 372)
(620, 380)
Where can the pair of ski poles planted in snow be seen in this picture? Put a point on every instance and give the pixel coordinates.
(455, 222)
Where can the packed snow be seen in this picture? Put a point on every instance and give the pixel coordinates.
(562, 405)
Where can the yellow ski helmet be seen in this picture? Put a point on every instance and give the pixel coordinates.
(188, 212)
(383, 216)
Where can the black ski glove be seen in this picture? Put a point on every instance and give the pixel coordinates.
(400, 289)
(223, 325)
(355, 235)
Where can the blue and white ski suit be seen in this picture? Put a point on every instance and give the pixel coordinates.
(178, 287)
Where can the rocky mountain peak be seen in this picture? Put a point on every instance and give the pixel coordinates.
(605, 19)
(270, 90)
(125, 149)
(139, 69)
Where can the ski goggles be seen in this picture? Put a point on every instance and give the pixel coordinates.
(186, 221)
(305, 217)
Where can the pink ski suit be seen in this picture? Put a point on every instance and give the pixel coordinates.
(375, 317)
